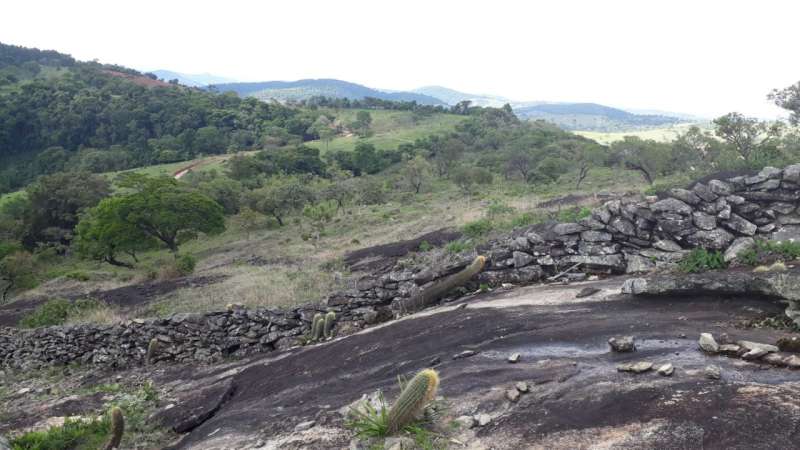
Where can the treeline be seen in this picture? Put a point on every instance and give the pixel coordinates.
(320, 101)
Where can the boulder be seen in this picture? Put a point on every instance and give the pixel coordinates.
(685, 196)
(707, 343)
(568, 228)
(720, 187)
(667, 245)
(712, 372)
(639, 367)
(704, 221)
(740, 225)
(750, 345)
(737, 246)
(671, 205)
(717, 239)
(666, 370)
(596, 236)
(792, 173)
(622, 344)
(522, 259)
(638, 264)
(702, 191)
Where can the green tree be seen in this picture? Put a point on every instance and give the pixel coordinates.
(746, 135)
(104, 233)
(647, 157)
(323, 128)
(281, 197)
(415, 172)
(789, 99)
(468, 177)
(16, 271)
(366, 159)
(164, 210)
(320, 215)
(55, 203)
(362, 123)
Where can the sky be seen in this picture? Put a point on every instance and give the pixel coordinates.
(702, 57)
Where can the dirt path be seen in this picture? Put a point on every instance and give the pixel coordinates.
(578, 398)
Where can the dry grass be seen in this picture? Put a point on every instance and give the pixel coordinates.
(268, 286)
(106, 315)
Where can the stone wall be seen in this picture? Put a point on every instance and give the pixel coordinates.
(618, 237)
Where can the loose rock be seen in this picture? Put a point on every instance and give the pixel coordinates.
(514, 358)
(666, 370)
(712, 372)
(707, 343)
(623, 344)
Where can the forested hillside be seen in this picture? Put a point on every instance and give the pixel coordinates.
(56, 113)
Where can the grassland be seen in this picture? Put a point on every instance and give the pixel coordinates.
(666, 134)
(389, 129)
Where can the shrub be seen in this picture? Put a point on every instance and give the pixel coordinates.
(457, 247)
(766, 251)
(424, 246)
(72, 434)
(477, 228)
(497, 208)
(525, 219)
(78, 275)
(52, 312)
(700, 259)
(574, 214)
(185, 264)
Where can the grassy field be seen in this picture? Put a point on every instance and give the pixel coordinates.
(389, 128)
(667, 134)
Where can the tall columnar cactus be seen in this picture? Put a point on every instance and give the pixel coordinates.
(412, 401)
(152, 349)
(117, 428)
(439, 288)
(330, 318)
(317, 327)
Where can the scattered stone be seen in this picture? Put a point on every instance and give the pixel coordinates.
(522, 387)
(793, 362)
(755, 353)
(483, 419)
(465, 354)
(729, 349)
(712, 372)
(749, 345)
(399, 443)
(622, 344)
(465, 421)
(303, 426)
(587, 291)
(639, 367)
(512, 395)
(707, 343)
(666, 370)
(774, 359)
(514, 358)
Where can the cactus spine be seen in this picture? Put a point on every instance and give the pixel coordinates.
(152, 349)
(317, 327)
(439, 288)
(117, 428)
(330, 318)
(413, 399)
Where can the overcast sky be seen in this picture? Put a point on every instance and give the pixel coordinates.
(699, 57)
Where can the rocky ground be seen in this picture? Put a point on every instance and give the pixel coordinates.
(576, 395)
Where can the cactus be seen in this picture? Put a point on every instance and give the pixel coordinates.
(152, 349)
(317, 327)
(439, 288)
(117, 428)
(328, 327)
(416, 394)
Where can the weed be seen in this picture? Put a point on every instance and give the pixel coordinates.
(478, 228)
(425, 246)
(78, 275)
(73, 434)
(457, 247)
(700, 260)
(58, 311)
(573, 214)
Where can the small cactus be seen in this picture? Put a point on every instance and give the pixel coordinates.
(117, 428)
(317, 327)
(439, 288)
(416, 394)
(152, 349)
(330, 318)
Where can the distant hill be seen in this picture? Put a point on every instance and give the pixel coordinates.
(305, 89)
(191, 79)
(593, 117)
(451, 97)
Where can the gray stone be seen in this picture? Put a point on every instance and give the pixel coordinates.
(483, 419)
(514, 358)
(712, 372)
(774, 359)
(667, 245)
(587, 291)
(717, 239)
(720, 187)
(685, 196)
(512, 395)
(707, 343)
(666, 370)
(634, 286)
(639, 367)
(737, 246)
(596, 236)
(522, 259)
(783, 207)
(522, 387)
(750, 345)
(704, 192)
(568, 228)
(729, 349)
(622, 344)
(466, 422)
(755, 353)
(601, 214)
(792, 173)
(622, 226)
(465, 354)
(638, 264)
(671, 205)
(793, 362)
(704, 221)
(771, 172)
(399, 443)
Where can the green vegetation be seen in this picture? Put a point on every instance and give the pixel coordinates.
(74, 434)
(57, 312)
(700, 260)
(765, 251)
